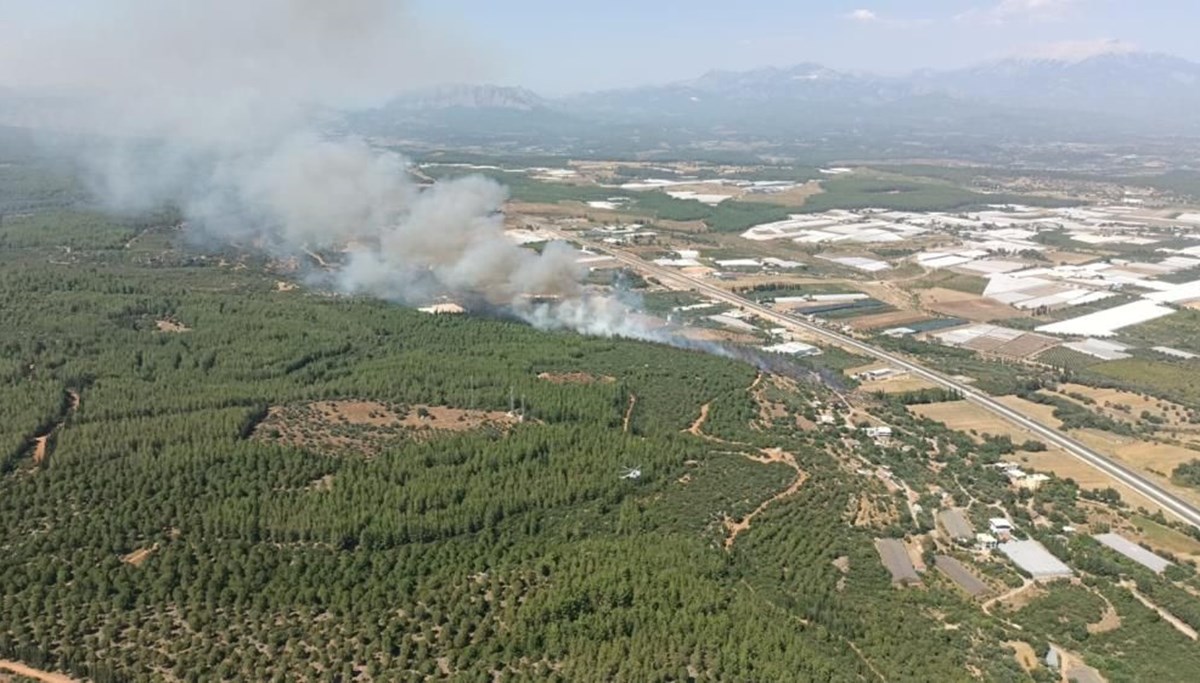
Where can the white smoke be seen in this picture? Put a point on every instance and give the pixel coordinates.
(209, 106)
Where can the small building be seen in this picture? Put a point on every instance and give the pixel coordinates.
(1032, 482)
(878, 433)
(794, 348)
(1000, 527)
(986, 541)
(956, 526)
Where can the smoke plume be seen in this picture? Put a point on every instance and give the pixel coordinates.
(211, 106)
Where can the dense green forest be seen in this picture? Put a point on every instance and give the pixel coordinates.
(152, 532)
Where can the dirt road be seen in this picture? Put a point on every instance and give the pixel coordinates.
(30, 672)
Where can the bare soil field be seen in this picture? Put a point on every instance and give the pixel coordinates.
(281, 286)
(887, 320)
(965, 305)
(366, 426)
(575, 378)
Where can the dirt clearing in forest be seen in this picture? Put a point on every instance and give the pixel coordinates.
(167, 325)
(139, 556)
(575, 378)
(1024, 654)
(366, 426)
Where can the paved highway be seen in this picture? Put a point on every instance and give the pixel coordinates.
(1169, 502)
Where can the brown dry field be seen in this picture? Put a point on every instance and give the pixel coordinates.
(886, 320)
(794, 197)
(1137, 403)
(898, 385)
(1069, 257)
(575, 378)
(966, 305)
(1152, 459)
(1163, 538)
(1042, 413)
(281, 286)
(1067, 466)
(964, 416)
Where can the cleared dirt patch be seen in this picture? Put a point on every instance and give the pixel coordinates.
(168, 325)
(281, 286)
(966, 305)
(139, 556)
(1110, 621)
(367, 426)
(575, 378)
(1024, 654)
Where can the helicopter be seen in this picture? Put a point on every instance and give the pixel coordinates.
(632, 473)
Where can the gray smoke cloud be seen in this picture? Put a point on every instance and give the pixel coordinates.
(211, 106)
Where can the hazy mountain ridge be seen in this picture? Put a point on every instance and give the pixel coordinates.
(1138, 93)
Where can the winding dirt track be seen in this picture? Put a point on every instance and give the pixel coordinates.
(629, 411)
(30, 672)
(41, 444)
(770, 455)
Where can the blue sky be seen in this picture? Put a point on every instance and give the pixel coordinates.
(558, 46)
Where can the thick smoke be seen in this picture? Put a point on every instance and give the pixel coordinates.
(211, 106)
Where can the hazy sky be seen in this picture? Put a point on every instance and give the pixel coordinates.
(557, 46)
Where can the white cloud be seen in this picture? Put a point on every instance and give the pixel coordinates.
(1078, 50)
(1006, 11)
(863, 15)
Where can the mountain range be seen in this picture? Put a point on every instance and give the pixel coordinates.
(1127, 94)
